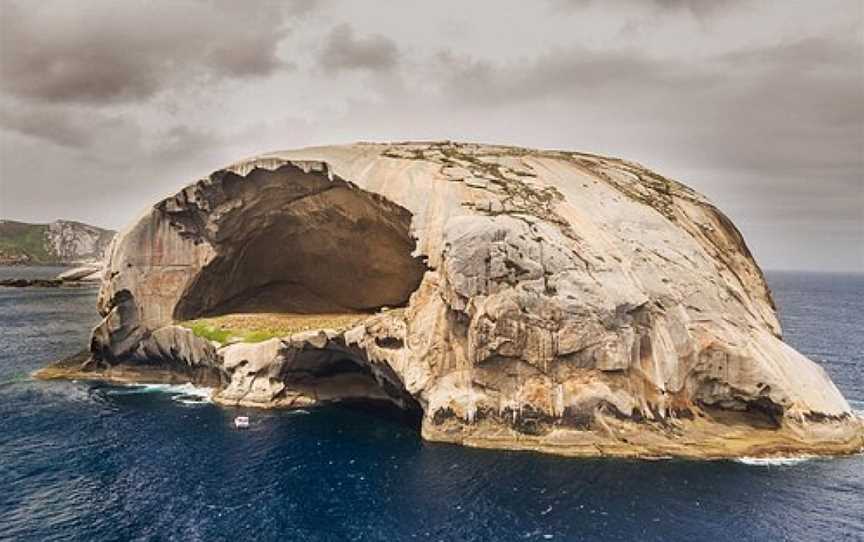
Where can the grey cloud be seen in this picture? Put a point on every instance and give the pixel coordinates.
(697, 7)
(70, 128)
(570, 74)
(787, 107)
(55, 126)
(103, 136)
(180, 140)
(805, 52)
(106, 107)
(798, 104)
(118, 52)
(344, 51)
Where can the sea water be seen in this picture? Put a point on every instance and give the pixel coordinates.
(85, 461)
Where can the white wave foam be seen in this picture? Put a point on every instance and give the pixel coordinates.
(857, 408)
(188, 400)
(188, 393)
(774, 461)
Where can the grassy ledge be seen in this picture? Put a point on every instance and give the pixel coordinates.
(257, 327)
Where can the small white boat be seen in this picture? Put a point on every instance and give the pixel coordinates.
(241, 422)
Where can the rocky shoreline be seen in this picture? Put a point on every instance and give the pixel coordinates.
(88, 274)
(709, 434)
(44, 283)
(698, 439)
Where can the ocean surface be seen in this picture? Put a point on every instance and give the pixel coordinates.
(93, 462)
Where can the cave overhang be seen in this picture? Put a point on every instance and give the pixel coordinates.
(292, 240)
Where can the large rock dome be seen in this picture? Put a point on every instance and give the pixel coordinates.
(512, 298)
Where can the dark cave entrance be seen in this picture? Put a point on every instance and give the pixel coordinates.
(344, 377)
(310, 247)
(398, 406)
(302, 243)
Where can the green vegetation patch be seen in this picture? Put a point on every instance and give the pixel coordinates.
(19, 239)
(208, 331)
(258, 327)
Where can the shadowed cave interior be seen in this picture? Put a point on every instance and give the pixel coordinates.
(310, 249)
(300, 242)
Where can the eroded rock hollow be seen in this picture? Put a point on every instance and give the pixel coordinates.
(291, 241)
(507, 297)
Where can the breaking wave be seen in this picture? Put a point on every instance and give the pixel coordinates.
(774, 461)
(187, 394)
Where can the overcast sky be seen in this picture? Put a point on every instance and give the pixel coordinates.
(106, 107)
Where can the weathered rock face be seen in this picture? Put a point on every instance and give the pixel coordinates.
(74, 241)
(553, 301)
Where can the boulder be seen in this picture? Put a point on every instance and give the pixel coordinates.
(545, 300)
(92, 272)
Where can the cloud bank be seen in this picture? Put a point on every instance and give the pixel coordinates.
(105, 107)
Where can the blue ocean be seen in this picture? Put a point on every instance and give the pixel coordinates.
(94, 462)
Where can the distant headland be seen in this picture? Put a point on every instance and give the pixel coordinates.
(63, 242)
